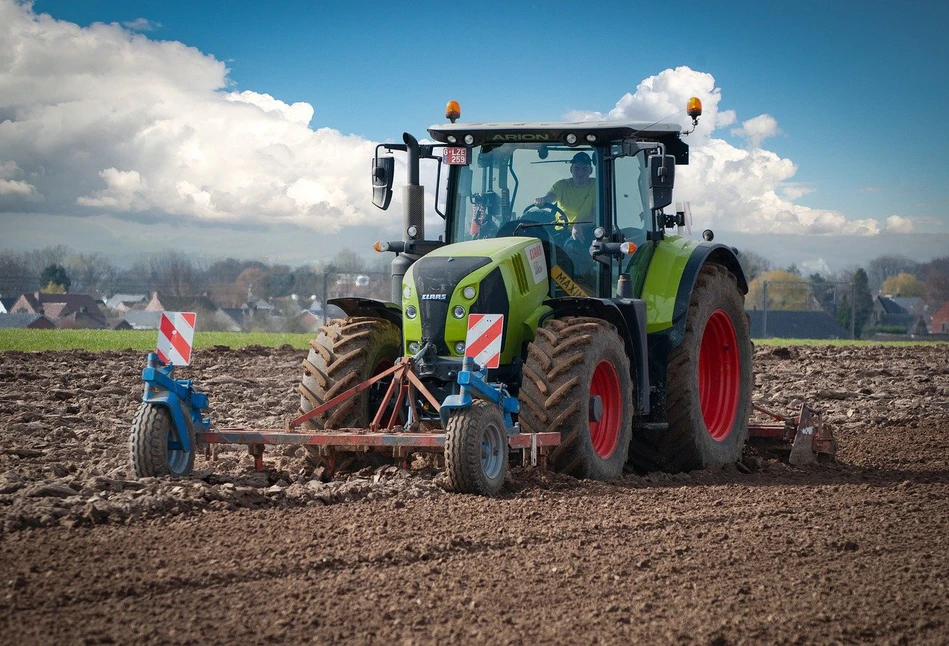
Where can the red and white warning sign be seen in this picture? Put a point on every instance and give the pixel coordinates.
(483, 342)
(175, 336)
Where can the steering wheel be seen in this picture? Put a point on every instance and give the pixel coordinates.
(554, 217)
(550, 209)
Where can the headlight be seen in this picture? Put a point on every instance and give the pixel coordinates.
(469, 292)
(414, 347)
(411, 312)
(406, 292)
(458, 312)
(460, 347)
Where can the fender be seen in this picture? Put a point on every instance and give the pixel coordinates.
(628, 316)
(671, 278)
(354, 306)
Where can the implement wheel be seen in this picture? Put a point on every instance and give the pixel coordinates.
(346, 353)
(577, 382)
(155, 448)
(476, 449)
(708, 384)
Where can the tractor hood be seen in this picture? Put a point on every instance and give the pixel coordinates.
(506, 276)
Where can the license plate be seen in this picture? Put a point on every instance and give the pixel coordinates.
(455, 156)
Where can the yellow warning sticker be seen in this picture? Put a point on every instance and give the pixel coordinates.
(566, 283)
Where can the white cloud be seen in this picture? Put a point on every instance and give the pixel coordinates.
(103, 120)
(758, 129)
(747, 190)
(795, 191)
(107, 120)
(900, 224)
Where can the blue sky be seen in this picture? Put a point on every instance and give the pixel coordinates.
(839, 102)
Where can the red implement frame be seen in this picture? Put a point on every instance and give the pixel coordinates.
(810, 439)
(397, 440)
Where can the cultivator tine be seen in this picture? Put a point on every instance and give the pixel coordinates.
(809, 438)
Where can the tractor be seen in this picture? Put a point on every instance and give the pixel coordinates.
(601, 320)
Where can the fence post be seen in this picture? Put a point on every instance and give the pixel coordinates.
(764, 318)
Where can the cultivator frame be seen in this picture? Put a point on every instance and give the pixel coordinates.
(804, 438)
(191, 427)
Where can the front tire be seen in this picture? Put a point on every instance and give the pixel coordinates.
(345, 353)
(708, 383)
(476, 449)
(154, 445)
(577, 381)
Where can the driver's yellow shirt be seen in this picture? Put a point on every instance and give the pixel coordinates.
(576, 201)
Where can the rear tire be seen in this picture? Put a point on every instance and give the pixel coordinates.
(346, 353)
(577, 366)
(149, 452)
(476, 449)
(709, 383)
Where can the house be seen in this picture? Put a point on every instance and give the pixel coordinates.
(900, 313)
(139, 320)
(795, 324)
(22, 320)
(939, 322)
(121, 303)
(60, 306)
(210, 316)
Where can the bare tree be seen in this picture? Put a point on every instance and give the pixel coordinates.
(887, 266)
(15, 274)
(172, 273)
(40, 259)
(753, 264)
(91, 272)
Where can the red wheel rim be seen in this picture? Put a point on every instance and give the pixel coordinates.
(605, 433)
(719, 375)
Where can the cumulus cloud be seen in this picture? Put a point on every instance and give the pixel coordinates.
(758, 129)
(900, 224)
(739, 189)
(103, 119)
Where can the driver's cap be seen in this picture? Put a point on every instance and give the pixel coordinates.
(581, 158)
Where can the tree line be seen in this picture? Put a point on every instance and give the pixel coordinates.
(229, 282)
(891, 275)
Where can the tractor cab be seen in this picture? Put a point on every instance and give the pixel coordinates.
(585, 190)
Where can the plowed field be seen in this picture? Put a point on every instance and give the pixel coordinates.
(760, 552)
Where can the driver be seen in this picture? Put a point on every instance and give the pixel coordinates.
(576, 195)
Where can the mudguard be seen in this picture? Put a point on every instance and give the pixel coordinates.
(354, 306)
(671, 278)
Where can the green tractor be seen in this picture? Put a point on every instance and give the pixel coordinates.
(628, 339)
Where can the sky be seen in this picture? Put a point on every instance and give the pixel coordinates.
(244, 129)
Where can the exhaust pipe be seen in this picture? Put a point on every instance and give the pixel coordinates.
(413, 218)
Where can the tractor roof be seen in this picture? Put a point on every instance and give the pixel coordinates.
(602, 132)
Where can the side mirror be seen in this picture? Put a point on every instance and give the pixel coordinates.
(662, 173)
(383, 168)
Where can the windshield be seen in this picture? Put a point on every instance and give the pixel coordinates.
(510, 184)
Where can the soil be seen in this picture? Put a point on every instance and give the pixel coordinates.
(759, 552)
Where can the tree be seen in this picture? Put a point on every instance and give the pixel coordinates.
(753, 264)
(823, 292)
(786, 291)
(903, 285)
(863, 307)
(55, 278)
(92, 272)
(254, 284)
(15, 274)
(937, 288)
(174, 273)
(886, 266)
